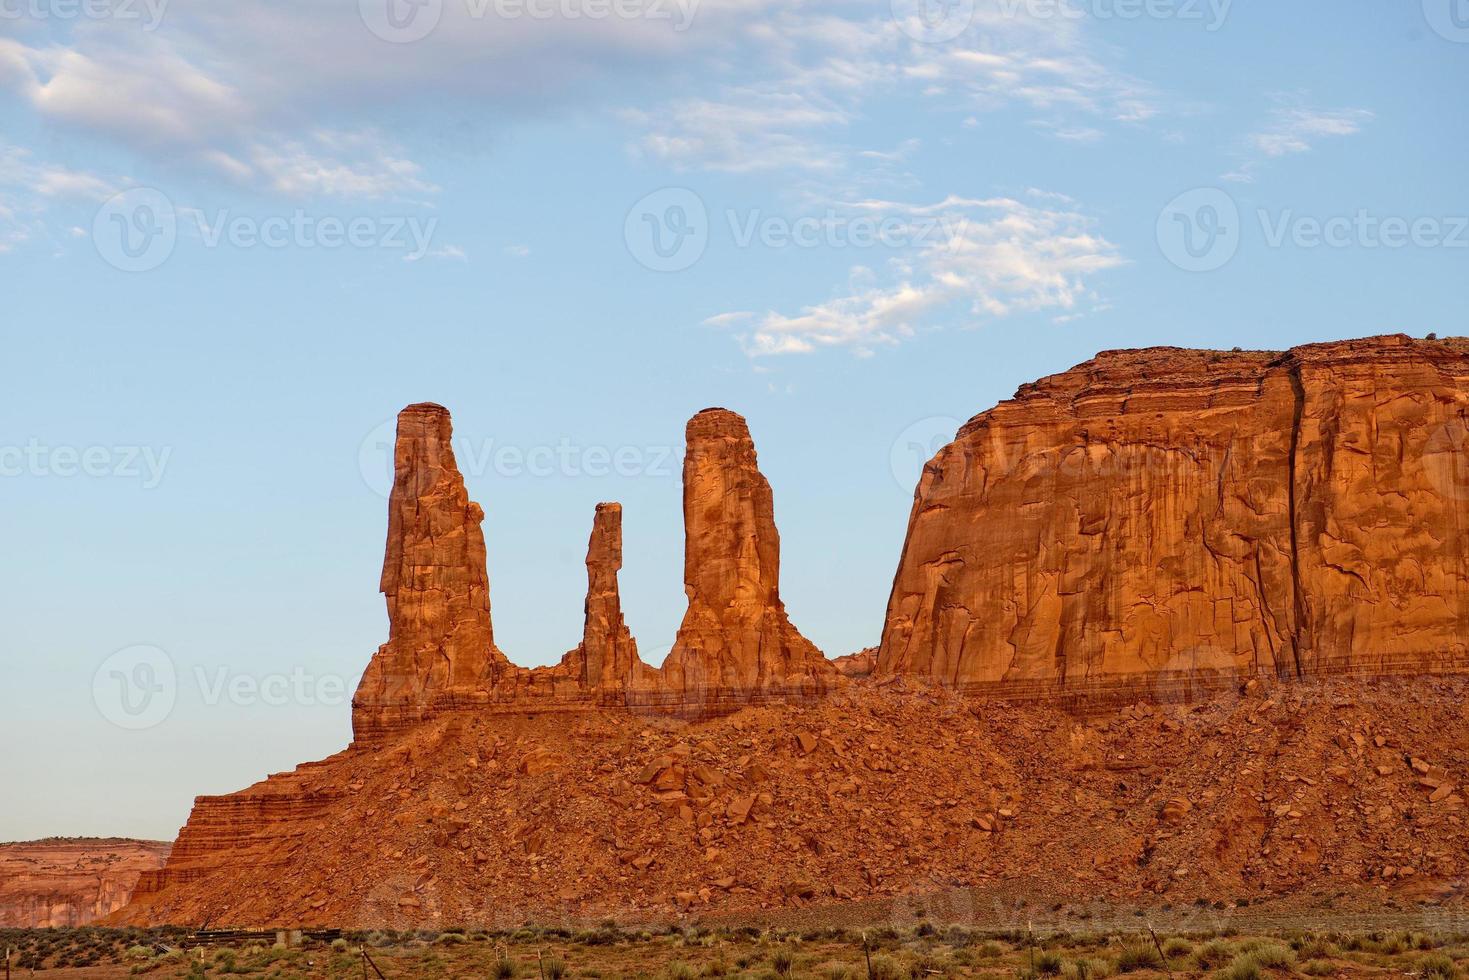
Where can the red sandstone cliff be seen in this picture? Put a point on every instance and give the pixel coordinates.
(71, 881)
(1168, 516)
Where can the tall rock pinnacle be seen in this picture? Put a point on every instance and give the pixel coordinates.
(607, 658)
(441, 647)
(736, 641)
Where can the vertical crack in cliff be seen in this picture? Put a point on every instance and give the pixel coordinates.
(1297, 599)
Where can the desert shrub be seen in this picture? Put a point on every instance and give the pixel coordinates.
(451, 938)
(1314, 948)
(679, 970)
(1274, 956)
(838, 971)
(783, 959)
(1216, 952)
(1176, 947)
(717, 967)
(1244, 967)
(885, 968)
(554, 969)
(1048, 963)
(989, 950)
(504, 968)
(1317, 968)
(1138, 956)
(137, 952)
(340, 946)
(1437, 966)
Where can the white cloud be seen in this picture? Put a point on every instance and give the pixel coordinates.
(1295, 129)
(996, 257)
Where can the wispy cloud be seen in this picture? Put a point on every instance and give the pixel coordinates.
(997, 257)
(1296, 129)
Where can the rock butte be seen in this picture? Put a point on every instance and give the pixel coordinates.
(71, 881)
(1160, 526)
(736, 645)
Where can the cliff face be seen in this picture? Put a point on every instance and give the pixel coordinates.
(1168, 517)
(71, 881)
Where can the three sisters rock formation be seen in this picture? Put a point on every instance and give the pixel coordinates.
(1157, 525)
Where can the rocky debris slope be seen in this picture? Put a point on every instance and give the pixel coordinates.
(1348, 788)
(736, 645)
(1161, 517)
(71, 881)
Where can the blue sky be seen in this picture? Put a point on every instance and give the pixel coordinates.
(236, 238)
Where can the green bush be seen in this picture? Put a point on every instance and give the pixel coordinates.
(885, 968)
(1138, 956)
(1438, 966)
(1244, 967)
(1176, 947)
(1048, 963)
(1274, 956)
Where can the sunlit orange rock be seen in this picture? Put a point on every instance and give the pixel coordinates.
(1165, 516)
(736, 641)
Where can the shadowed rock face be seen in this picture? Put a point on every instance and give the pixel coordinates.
(441, 647)
(736, 639)
(1155, 513)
